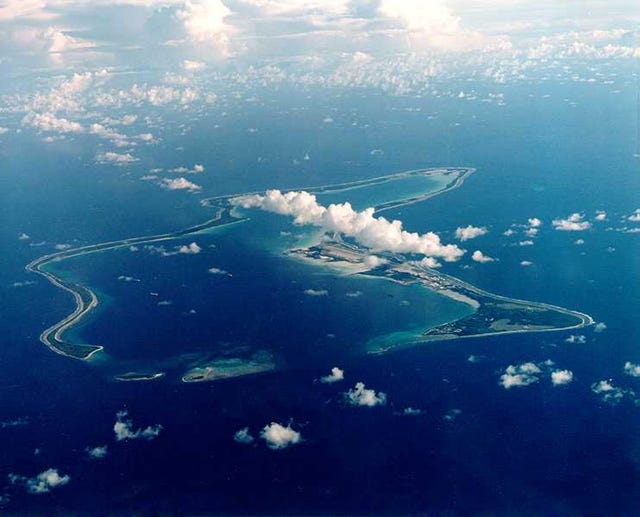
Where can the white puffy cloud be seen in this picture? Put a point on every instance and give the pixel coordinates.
(430, 23)
(521, 375)
(470, 232)
(116, 158)
(610, 393)
(579, 339)
(373, 261)
(336, 375)
(190, 249)
(42, 483)
(97, 453)
(52, 123)
(561, 377)
(573, 223)
(601, 215)
(118, 139)
(243, 436)
(204, 22)
(632, 369)
(123, 429)
(23, 236)
(478, 256)
(534, 222)
(278, 436)
(526, 263)
(376, 233)
(429, 262)
(361, 396)
(180, 184)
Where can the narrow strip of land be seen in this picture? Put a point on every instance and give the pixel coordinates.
(85, 299)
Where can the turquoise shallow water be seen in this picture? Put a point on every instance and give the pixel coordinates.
(394, 190)
(537, 450)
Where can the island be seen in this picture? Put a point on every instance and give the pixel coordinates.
(490, 314)
(85, 299)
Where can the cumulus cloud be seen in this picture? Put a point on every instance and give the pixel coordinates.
(123, 429)
(373, 261)
(336, 375)
(579, 339)
(376, 233)
(601, 215)
(278, 436)
(361, 396)
(190, 249)
(243, 436)
(52, 123)
(204, 22)
(521, 375)
(478, 256)
(116, 158)
(180, 184)
(430, 23)
(632, 369)
(23, 237)
(97, 453)
(574, 223)
(42, 483)
(610, 393)
(534, 222)
(526, 263)
(470, 232)
(561, 377)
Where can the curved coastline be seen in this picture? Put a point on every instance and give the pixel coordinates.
(86, 300)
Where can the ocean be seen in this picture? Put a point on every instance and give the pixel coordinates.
(475, 447)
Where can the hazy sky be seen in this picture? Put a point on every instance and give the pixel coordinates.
(95, 32)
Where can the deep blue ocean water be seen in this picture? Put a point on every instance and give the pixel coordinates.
(538, 449)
